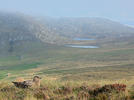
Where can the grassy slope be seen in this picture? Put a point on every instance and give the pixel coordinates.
(87, 68)
(71, 63)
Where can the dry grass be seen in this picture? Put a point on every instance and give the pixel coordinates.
(52, 89)
(69, 74)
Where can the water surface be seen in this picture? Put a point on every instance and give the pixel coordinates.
(81, 46)
(82, 39)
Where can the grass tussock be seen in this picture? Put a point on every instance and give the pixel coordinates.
(56, 90)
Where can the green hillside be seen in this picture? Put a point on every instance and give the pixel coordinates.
(29, 47)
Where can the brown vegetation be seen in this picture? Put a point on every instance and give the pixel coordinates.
(20, 83)
(67, 92)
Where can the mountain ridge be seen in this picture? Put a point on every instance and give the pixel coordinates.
(88, 27)
(17, 30)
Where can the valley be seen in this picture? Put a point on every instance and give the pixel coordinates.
(77, 58)
(71, 63)
(68, 48)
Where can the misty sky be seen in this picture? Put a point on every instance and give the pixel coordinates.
(121, 10)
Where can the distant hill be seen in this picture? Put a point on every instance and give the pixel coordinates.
(18, 29)
(88, 27)
(19, 32)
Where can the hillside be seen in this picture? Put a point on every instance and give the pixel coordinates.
(88, 27)
(17, 30)
(30, 46)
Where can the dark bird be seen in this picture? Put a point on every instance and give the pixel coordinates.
(28, 83)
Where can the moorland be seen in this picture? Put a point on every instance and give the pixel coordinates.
(29, 47)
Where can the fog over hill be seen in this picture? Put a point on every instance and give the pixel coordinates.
(18, 29)
(89, 27)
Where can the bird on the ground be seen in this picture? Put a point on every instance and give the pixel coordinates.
(28, 83)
